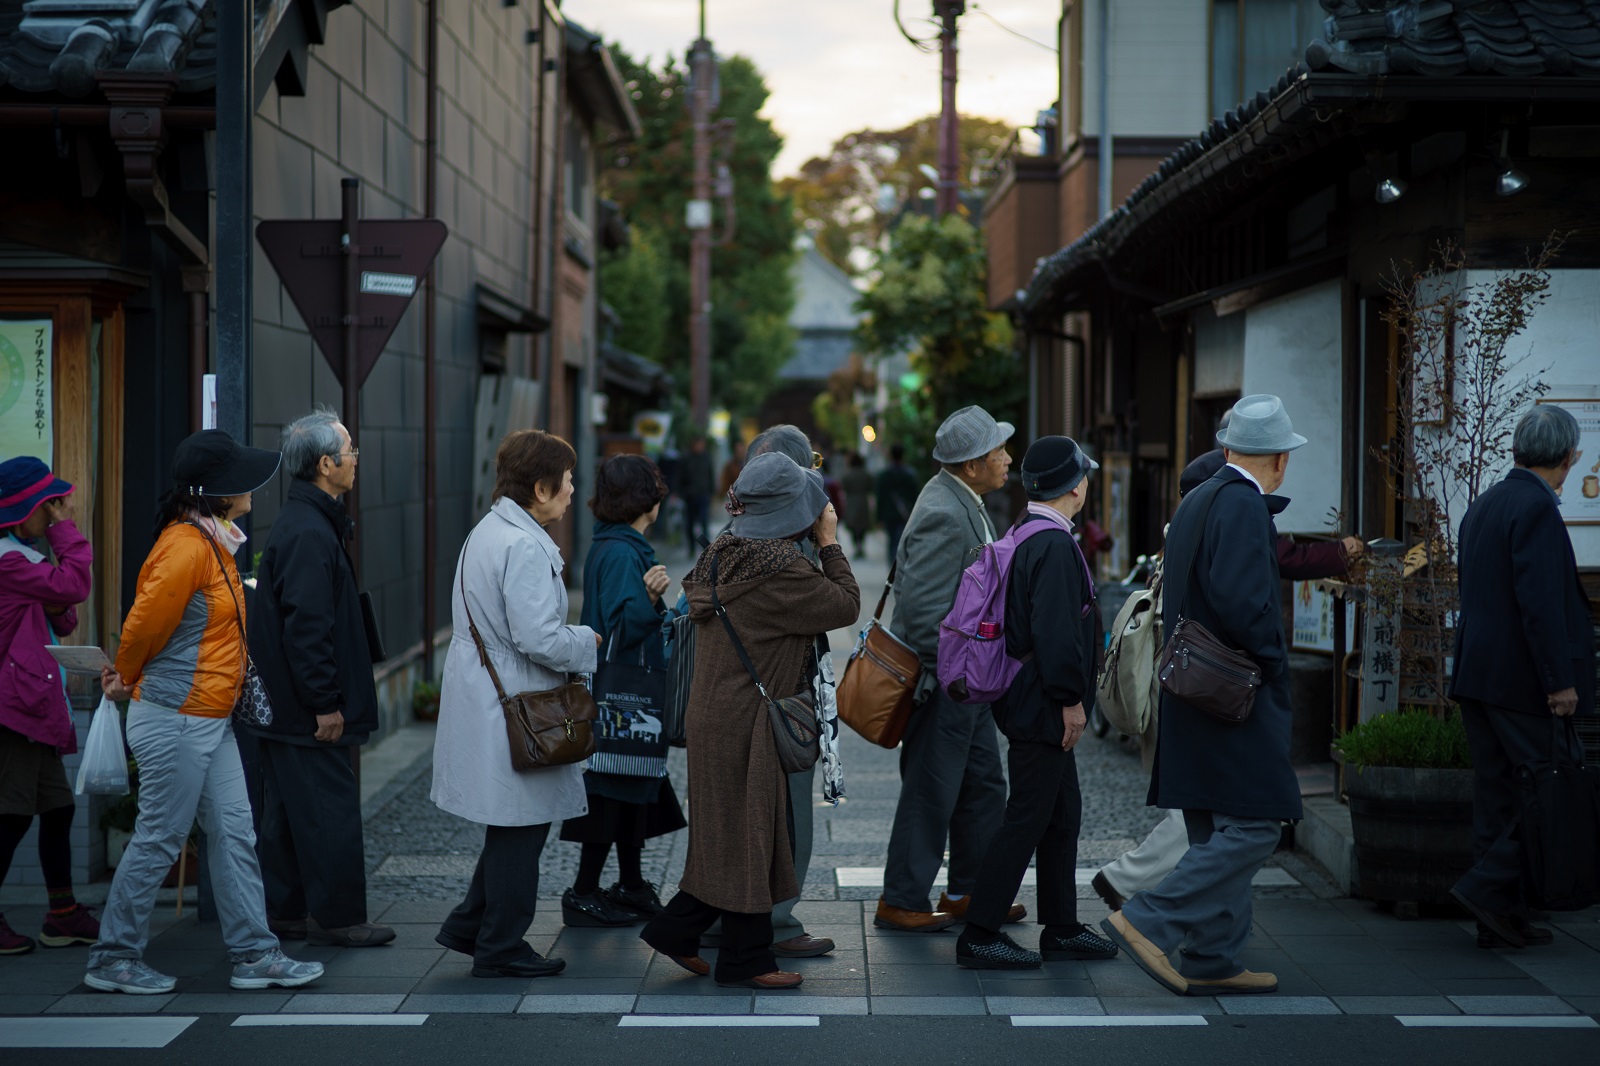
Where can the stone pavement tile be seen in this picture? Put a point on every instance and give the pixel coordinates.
(406, 934)
(1074, 1005)
(1447, 986)
(778, 1003)
(583, 986)
(1121, 977)
(462, 983)
(1334, 950)
(1165, 1004)
(429, 911)
(1277, 1004)
(23, 977)
(604, 963)
(190, 963)
(25, 1004)
(828, 912)
(383, 986)
(939, 1006)
(1586, 1004)
(834, 962)
(228, 1002)
(691, 987)
(578, 1004)
(1050, 971)
(1468, 963)
(1427, 1005)
(735, 1004)
(1512, 1005)
(335, 1003)
(814, 987)
(844, 937)
(383, 962)
(1363, 980)
(902, 951)
(1564, 977)
(1083, 988)
(112, 1003)
(1303, 918)
(923, 981)
(489, 1003)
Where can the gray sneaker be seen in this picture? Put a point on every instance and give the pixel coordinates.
(274, 968)
(131, 976)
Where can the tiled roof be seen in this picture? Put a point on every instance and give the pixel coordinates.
(1516, 38)
(58, 46)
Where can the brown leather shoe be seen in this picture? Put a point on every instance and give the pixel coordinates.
(1243, 983)
(1151, 959)
(957, 908)
(804, 946)
(287, 928)
(361, 935)
(776, 980)
(693, 963)
(911, 921)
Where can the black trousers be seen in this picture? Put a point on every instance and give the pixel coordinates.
(1043, 815)
(503, 895)
(1500, 740)
(309, 839)
(745, 950)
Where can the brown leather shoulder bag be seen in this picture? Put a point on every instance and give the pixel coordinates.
(551, 728)
(880, 680)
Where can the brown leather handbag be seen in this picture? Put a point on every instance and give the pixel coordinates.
(875, 694)
(1199, 669)
(551, 728)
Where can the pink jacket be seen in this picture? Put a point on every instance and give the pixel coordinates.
(32, 700)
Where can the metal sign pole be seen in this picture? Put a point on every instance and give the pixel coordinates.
(350, 246)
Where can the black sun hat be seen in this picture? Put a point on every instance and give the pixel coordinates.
(211, 463)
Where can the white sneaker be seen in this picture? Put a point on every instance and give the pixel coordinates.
(274, 969)
(131, 976)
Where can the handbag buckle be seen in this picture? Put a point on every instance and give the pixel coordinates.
(566, 723)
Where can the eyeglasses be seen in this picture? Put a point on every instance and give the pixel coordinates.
(353, 453)
(816, 460)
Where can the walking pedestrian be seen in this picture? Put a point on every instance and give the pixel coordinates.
(182, 662)
(37, 604)
(308, 639)
(1232, 780)
(1051, 625)
(695, 485)
(508, 583)
(1524, 660)
(776, 600)
(951, 784)
(897, 489)
(623, 586)
(857, 485)
(731, 468)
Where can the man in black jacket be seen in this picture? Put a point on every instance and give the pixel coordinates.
(1524, 658)
(1232, 780)
(309, 641)
(1050, 625)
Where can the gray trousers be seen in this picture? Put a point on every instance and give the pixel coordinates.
(951, 788)
(1156, 856)
(1204, 907)
(188, 767)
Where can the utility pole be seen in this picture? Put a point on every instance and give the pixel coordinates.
(949, 123)
(1108, 151)
(702, 67)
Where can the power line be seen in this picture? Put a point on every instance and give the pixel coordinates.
(1015, 33)
(921, 44)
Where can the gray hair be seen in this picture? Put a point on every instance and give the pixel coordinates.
(307, 439)
(1545, 436)
(785, 440)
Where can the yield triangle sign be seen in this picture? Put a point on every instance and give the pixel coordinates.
(393, 255)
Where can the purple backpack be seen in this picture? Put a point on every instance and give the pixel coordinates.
(973, 664)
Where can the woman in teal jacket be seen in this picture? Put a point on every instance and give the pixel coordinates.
(630, 797)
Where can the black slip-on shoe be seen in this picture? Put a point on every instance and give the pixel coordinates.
(535, 965)
(1001, 953)
(592, 912)
(1532, 935)
(642, 902)
(1498, 924)
(1086, 944)
(455, 943)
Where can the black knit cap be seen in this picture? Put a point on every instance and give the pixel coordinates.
(1053, 467)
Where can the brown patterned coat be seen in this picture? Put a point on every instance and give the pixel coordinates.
(778, 601)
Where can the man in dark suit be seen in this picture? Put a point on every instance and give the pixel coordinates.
(1232, 781)
(1524, 658)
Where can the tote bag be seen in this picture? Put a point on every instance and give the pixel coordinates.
(630, 731)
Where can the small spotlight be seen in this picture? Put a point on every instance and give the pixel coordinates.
(1389, 190)
(1510, 181)
(869, 434)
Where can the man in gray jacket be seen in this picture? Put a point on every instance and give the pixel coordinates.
(951, 785)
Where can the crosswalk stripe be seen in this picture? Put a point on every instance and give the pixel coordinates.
(1052, 1021)
(725, 1021)
(83, 1032)
(1496, 1021)
(872, 877)
(250, 1020)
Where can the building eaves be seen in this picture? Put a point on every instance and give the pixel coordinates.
(1436, 38)
(595, 79)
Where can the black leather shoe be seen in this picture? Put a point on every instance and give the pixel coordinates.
(1103, 889)
(642, 902)
(534, 965)
(455, 943)
(1086, 944)
(1499, 924)
(1532, 935)
(1001, 953)
(592, 912)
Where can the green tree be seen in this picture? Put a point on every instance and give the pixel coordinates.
(633, 280)
(751, 288)
(930, 297)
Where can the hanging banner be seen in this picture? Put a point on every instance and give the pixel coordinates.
(27, 394)
(1313, 618)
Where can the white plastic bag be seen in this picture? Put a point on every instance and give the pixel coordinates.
(104, 767)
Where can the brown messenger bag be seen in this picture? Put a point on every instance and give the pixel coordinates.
(875, 693)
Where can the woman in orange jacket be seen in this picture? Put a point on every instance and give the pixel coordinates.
(182, 663)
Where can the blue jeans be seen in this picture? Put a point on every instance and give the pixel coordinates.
(188, 767)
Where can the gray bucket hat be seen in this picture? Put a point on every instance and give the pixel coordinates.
(970, 433)
(774, 498)
(1259, 426)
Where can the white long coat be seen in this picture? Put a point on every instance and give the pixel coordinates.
(512, 571)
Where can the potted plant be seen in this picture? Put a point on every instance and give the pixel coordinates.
(425, 701)
(1408, 778)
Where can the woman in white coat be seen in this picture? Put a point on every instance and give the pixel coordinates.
(509, 574)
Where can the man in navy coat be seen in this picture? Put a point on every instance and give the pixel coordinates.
(1524, 658)
(1233, 781)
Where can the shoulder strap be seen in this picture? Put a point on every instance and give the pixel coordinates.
(733, 637)
(887, 585)
(238, 613)
(472, 626)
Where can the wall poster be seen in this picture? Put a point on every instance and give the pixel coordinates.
(27, 396)
(1580, 496)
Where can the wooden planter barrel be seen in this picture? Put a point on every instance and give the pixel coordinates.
(1413, 831)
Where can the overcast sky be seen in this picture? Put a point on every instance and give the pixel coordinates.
(834, 66)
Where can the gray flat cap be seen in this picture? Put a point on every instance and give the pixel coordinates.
(774, 498)
(970, 433)
(1259, 426)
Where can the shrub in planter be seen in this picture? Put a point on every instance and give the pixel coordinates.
(1408, 777)
(425, 701)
